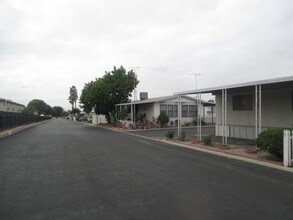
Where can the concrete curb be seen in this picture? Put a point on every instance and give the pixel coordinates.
(19, 129)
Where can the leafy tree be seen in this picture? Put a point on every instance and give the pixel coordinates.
(65, 114)
(87, 97)
(57, 111)
(75, 111)
(37, 106)
(113, 88)
(73, 96)
(48, 110)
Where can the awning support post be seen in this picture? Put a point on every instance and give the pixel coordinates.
(179, 115)
(224, 117)
(258, 125)
(132, 116)
(199, 116)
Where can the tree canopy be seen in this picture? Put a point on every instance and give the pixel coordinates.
(113, 88)
(57, 111)
(37, 106)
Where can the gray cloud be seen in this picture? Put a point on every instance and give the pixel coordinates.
(47, 46)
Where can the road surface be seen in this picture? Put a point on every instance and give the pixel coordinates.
(67, 170)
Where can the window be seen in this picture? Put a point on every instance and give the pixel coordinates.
(242, 102)
(184, 110)
(191, 111)
(175, 111)
(170, 110)
(163, 108)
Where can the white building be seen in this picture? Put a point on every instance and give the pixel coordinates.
(244, 110)
(150, 109)
(10, 106)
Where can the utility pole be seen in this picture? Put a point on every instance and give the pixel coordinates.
(133, 110)
(134, 91)
(195, 76)
(198, 104)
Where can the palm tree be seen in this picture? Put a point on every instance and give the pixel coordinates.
(73, 96)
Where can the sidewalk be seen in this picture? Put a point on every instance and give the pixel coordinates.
(11, 131)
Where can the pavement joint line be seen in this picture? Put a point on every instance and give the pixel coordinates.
(222, 154)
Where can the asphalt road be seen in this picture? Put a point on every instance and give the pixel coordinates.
(66, 170)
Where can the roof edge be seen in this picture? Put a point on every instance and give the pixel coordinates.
(238, 85)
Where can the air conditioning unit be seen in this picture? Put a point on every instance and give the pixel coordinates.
(143, 95)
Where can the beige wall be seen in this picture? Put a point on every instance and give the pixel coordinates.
(277, 108)
(148, 109)
(276, 112)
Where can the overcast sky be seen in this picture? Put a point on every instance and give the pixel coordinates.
(48, 46)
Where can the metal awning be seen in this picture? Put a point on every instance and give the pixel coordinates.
(256, 86)
(268, 83)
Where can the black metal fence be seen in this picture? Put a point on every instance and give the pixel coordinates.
(11, 119)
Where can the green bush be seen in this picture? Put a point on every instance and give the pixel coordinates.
(182, 136)
(271, 141)
(207, 140)
(170, 134)
(122, 115)
(163, 118)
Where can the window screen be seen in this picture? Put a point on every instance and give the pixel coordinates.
(163, 108)
(184, 110)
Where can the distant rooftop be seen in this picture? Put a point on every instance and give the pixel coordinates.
(10, 101)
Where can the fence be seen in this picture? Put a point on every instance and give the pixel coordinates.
(11, 119)
(288, 145)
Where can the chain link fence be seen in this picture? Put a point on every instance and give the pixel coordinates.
(11, 119)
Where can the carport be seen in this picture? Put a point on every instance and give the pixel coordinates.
(246, 100)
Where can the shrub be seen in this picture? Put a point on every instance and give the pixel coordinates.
(122, 115)
(207, 140)
(182, 136)
(271, 141)
(163, 119)
(170, 134)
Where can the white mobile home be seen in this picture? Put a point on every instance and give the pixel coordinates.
(150, 109)
(244, 110)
